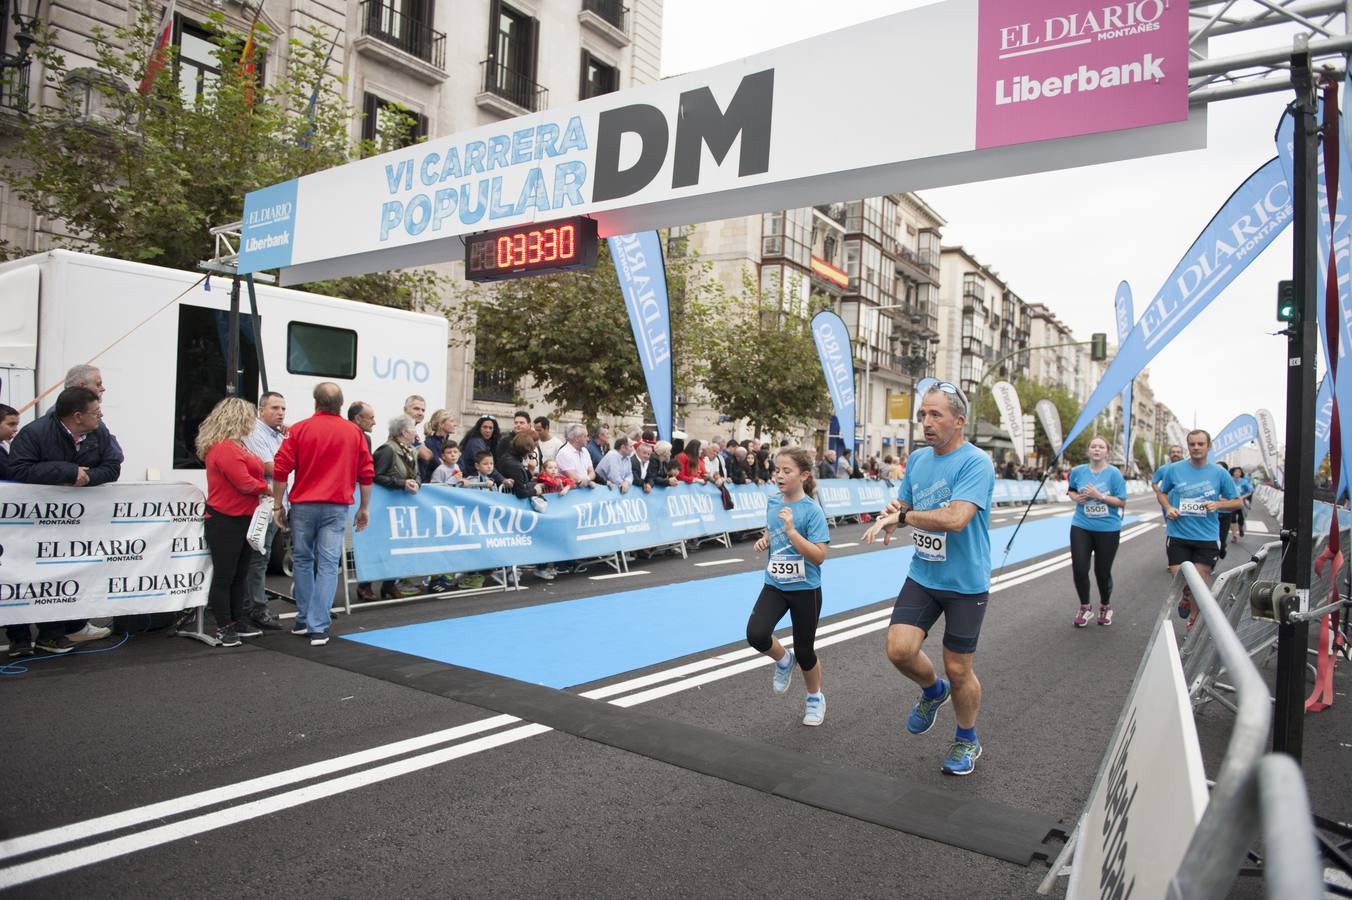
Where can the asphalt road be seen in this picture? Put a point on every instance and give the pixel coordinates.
(166, 768)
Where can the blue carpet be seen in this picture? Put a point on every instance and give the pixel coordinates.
(578, 641)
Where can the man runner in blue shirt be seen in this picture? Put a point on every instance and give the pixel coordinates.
(1191, 492)
(945, 496)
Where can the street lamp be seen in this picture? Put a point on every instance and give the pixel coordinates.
(24, 39)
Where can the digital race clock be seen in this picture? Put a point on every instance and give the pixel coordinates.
(537, 249)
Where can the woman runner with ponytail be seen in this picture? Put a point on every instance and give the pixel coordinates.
(796, 536)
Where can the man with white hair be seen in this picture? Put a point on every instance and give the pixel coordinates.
(573, 458)
(264, 442)
(86, 377)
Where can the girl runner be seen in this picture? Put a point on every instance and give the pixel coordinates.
(1100, 493)
(796, 536)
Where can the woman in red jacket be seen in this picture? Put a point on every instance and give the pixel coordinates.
(234, 484)
(691, 472)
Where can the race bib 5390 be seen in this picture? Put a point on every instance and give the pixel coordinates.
(930, 547)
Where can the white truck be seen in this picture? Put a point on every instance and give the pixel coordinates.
(163, 359)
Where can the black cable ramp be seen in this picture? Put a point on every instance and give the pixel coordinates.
(981, 826)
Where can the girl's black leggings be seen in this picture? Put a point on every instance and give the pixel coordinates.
(1102, 545)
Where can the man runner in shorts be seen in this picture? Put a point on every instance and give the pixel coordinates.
(945, 496)
(1191, 492)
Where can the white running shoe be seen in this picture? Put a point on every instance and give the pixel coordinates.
(784, 674)
(88, 633)
(814, 709)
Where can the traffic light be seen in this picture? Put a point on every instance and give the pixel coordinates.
(1287, 310)
(1098, 346)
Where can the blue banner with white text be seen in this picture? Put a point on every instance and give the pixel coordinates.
(1242, 429)
(1253, 216)
(833, 347)
(1125, 319)
(450, 529)
(642, 274)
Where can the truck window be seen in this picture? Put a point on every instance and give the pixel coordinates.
(321, 350)
(203, 342)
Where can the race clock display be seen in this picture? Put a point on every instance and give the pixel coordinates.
(537, 249)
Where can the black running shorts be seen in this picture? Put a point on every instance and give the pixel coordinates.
(920, 606)
(1199, 553)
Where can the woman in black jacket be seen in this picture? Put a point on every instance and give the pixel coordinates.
(396, 465)
(512, 466)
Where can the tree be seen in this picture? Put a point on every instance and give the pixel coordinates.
(570, 333)
(764, 365)
(144, 176)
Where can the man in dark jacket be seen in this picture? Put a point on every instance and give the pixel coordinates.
(68, 446)
(9, 426)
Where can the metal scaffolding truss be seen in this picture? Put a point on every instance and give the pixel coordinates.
(1323, 23)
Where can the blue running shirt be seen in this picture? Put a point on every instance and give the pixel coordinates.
(788, 569)
(1095, 515)
(958, 561)
(1188, 487)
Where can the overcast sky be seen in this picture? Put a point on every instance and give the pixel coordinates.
(1067, 238)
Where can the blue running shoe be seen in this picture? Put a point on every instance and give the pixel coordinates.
(962, 757)
(784, 674)
(922, 714)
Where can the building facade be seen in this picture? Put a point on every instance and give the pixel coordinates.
(451, 67)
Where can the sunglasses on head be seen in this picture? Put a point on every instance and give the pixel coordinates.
(950, 388)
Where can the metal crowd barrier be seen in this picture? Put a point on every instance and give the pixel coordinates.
(1236, 811)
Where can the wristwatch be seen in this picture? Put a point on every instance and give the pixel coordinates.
(902, 521)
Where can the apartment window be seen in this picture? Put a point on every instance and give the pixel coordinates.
(789, 234)
(390, 126)
(597, 77)
(199, 69)
(406, 24)
(787, 287)
(512, 43)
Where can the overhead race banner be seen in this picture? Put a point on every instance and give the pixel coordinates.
(1267, 445)
(1125, 318)
(1150, 791)
(1011, 417)
(1323, 421)
(1050, 417)
(1242, 429)
(837, 357)
(93, 552)
(1243, 228)
(1029, 85)
(642, 273)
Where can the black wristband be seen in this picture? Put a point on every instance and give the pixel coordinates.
(902, 521)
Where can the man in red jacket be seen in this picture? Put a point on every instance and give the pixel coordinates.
(328, 455)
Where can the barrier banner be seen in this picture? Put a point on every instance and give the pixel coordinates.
(1011, 417)
(1267, 444)
(448, 529)
(1050, 417)
(1243, 429)
(1122, 309)
(94, 552)
(1151, 787)
(1253, 216)
(833, 347)
(642, 274)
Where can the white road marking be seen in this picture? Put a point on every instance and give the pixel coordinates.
(718, 562)
(629, 574)
(847, 544)
(733, 663)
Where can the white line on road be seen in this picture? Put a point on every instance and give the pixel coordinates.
(718, 562)
(847, 544)
(629, 574)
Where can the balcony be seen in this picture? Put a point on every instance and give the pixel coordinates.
(509, 93)
(402, 41)
(974, 291)
(910, 264)
(606, 18)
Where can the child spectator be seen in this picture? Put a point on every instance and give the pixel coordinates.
(449, 470)
(554, 481)
(484, 474)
